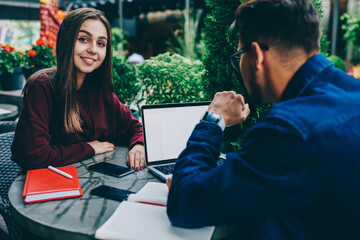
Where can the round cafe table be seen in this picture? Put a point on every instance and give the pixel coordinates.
(8, 111)
(79, 218)
(76, 218)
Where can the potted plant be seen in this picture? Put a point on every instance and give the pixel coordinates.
(11, 75)
(187, 40)
(170, 78)
(40, 55)
(125, 82)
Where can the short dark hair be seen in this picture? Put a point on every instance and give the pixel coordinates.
(284, 24)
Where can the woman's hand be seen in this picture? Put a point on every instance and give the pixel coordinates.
(168, 182)
(136, 158)
(101, 147)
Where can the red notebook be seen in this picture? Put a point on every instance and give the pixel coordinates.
(44, 185)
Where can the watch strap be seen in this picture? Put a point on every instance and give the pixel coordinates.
(214, 118)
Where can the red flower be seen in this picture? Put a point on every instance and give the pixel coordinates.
(7, 48)
(31, 53)
(40, 42)
(51, 44)
(53, 51)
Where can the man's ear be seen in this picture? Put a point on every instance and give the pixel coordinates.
(259, 54)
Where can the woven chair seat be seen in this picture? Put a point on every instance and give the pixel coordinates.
(8, 169)
(8, 173)
(7, 126)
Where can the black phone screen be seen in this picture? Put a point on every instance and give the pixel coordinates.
(110, 169)
(111, 192)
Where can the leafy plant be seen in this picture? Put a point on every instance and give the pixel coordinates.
(42, 54)
(352, 28)
(219, 76)
(9, 59)
(118, 42)
(125, 81)
(187, 43)
(170, 78)
(338, 62)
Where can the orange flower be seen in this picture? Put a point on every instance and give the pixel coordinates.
(21, 56)
(54, 52)
(51, 44)
(31, 53)
(52, 37)
(61, 14)
(356, 71)
(40, 42)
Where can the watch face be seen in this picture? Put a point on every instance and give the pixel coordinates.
(212, 117)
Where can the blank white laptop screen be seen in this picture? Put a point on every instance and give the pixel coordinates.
(167, 130)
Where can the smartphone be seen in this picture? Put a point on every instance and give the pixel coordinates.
(111, 169)
(111, 193)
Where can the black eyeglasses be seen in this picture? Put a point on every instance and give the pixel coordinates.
(235, 58)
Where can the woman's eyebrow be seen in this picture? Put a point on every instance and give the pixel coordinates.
(86, 32)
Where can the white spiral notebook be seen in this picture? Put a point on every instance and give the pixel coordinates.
(136, 220)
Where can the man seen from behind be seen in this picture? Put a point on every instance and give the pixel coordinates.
(297, 175)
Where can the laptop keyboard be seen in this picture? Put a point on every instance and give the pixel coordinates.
(169, 168)
(166, 169)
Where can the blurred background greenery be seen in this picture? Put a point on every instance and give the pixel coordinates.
(181, 47)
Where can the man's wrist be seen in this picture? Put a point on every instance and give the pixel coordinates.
(214, 118)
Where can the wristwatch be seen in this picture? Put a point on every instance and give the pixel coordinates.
(214, 118)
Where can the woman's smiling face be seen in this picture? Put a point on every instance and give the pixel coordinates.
(90, 47)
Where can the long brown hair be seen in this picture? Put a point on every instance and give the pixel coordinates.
(64, 80)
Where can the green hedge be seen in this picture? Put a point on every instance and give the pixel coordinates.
(125, 81)
(170, 78)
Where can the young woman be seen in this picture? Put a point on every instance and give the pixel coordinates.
(70, 112)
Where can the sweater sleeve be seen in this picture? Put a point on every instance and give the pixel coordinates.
(32, 146)
(129, 130)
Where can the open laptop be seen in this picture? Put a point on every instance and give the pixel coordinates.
(166, 128)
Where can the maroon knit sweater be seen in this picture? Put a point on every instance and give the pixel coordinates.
(40, 139)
